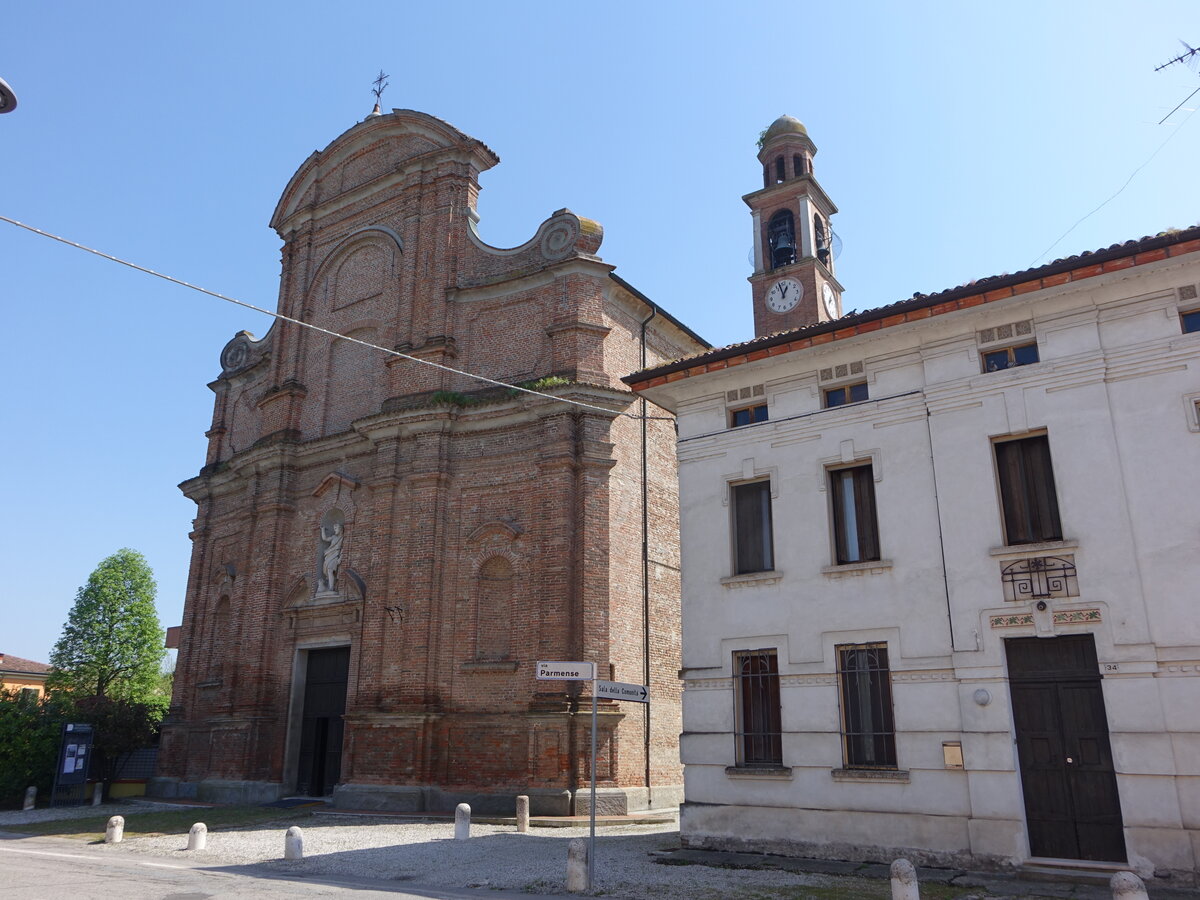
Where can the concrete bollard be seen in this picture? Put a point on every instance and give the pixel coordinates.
(115, 832)
(462, 821)
(30, 797)
(577, 866)
(1127, 886)
(522, 813)
(198, 837)
(98, 793)
(904, 881)
(293, 843)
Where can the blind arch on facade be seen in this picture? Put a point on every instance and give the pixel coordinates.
(494, 609)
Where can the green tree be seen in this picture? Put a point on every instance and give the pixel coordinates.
(112, 643)
(29, 732)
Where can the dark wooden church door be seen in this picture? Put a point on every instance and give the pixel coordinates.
(1071, 803)
(322, 728)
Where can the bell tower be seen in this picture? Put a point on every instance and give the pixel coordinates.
(793, 282)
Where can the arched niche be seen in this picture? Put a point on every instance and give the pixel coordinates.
(331, 542)
(494, 584)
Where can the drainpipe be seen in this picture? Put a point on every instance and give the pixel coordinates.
(937, 503)
(646, 560)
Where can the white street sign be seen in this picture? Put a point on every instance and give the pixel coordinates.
(565, 671)
(619, 690)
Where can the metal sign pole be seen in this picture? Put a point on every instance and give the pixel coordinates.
(592, 840)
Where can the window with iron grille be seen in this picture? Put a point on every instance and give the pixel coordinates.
(759, 721)
(855, 529)
(753, 545)
(868, 730)
(1027, 496)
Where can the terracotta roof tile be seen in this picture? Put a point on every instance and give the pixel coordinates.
(10, 663)
(922, 306)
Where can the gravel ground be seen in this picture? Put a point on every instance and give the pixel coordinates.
(426, 855)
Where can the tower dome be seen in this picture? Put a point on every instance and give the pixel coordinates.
(784, 125)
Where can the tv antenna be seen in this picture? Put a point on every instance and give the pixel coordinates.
(8, 100)
(1189, 59)
(381, 84)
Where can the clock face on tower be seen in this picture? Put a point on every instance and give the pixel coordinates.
(784, 295)
(830, 300)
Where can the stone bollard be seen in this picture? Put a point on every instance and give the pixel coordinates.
(1127, 886)
(522, 813)
(293, 843)
(904, 881)
(577, 866)
(115, 831)
(30, 797)
(462, 821)
(98, 793)
(198, 837)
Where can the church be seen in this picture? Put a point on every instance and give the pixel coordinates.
(385, 545)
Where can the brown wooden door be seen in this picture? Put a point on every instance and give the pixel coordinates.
(322, 729)
(1071, 803)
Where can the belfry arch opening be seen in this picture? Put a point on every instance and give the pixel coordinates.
(781, 238)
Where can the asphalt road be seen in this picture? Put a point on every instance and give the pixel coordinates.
(39, 868)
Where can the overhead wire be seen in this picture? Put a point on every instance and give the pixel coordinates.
(326, 331)
(1176, 131)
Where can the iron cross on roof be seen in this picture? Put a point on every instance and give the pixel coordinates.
(381, 84)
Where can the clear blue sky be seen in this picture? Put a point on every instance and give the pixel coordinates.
(959, 140)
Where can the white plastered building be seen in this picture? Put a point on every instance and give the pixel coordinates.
(955, 620)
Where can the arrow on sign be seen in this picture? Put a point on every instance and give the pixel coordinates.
(620, 690)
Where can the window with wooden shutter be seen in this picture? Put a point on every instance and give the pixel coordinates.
(753, 549)
(855, 528)
(1028, 499)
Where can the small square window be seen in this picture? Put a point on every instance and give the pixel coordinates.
(748, 416)
(851, 393)
(1010, 357)
(1190, 321)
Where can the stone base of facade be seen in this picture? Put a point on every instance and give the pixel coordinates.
(544, 802)
(1160, 856)
(835, 834)
(214, 790)
(428, 798)
(622, 801)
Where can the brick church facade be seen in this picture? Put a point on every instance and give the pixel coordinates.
(384, 548)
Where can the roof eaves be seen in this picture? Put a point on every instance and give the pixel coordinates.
(923, 306)
(659, 310)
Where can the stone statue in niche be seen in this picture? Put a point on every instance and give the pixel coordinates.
(331, 556)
